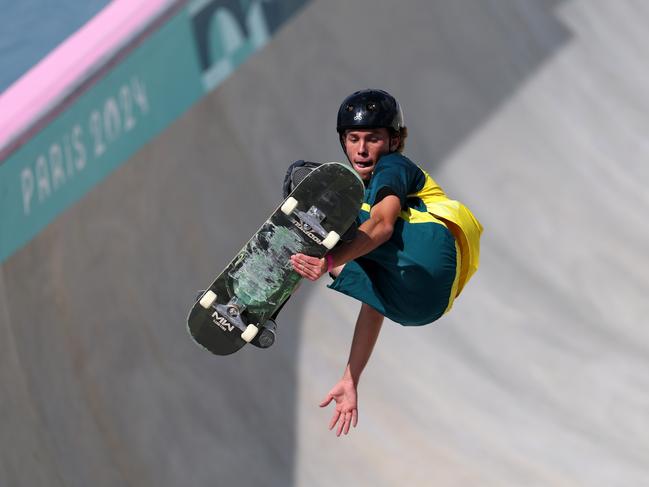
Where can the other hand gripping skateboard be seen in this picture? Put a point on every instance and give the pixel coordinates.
(237, 306)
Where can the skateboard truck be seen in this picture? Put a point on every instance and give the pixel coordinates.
(310, 221)
(232, 313)
(229, 315)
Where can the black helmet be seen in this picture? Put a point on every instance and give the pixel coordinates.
(369, 109)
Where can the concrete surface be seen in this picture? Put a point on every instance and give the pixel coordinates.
(534, 113)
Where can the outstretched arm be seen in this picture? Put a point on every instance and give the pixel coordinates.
(372, 233)
(344, 392)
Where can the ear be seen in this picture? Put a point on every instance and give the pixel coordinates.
(394, 142)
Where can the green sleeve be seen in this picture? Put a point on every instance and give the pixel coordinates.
(394, 174)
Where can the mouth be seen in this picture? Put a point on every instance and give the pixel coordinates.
(363, 164)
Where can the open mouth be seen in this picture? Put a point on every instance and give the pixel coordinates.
(363, 165)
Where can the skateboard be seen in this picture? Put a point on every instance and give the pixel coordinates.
(237, 307)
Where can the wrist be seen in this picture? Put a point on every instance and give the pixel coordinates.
(329, 261)
(348, 376)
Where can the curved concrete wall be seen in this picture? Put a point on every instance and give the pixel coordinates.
(533, 113)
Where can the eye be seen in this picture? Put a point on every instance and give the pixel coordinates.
(371, 107)
(349, 108)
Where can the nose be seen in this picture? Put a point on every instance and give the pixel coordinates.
(362, 147)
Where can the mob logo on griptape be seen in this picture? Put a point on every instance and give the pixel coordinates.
(227, 32)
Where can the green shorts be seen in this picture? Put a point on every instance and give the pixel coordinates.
(410, 279)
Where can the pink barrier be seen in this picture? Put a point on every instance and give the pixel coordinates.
(44, 86)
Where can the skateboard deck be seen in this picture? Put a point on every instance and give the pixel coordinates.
(236, 307)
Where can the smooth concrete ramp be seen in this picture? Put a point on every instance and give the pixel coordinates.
(534, 113)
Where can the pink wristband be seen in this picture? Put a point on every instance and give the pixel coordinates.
(330, 262)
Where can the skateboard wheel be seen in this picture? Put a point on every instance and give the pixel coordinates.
(289, 205)
(331, 240)
(266, 338)
(250, 333)
(208, 299)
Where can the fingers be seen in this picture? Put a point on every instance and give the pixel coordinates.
(326, 401)
(334, 420)
(307, 266)
(346, 421)
(341, 425)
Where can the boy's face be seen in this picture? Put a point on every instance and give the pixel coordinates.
(364, 147)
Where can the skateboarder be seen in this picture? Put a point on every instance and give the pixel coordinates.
(414, 249)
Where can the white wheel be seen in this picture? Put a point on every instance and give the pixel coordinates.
(331, 240)
(250, 333)
(208, 299)
(289, 205)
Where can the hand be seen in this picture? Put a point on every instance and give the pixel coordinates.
(310, 267)
(346, 412)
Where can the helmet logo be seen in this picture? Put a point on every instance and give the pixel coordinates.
(359, 116)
